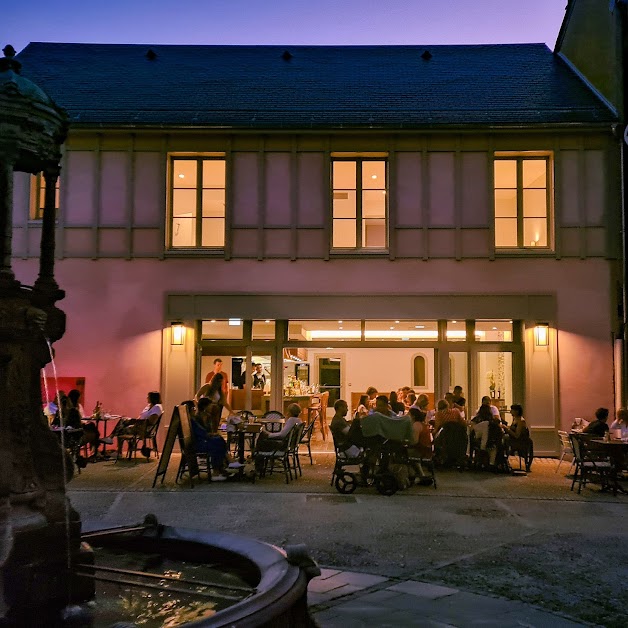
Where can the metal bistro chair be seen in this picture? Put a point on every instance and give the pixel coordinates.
(247, 417)
(273, 420)
(293, 449)
(306, 439)
(565, 450)
(265, 460)
(344, 460)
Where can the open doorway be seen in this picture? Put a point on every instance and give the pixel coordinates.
(330, 370)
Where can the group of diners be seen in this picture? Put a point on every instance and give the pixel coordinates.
(599, 426)
(444, 433)
(205, 412)
(600, 429)
(82, 431)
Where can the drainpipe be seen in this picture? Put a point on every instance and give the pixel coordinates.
(622, 8)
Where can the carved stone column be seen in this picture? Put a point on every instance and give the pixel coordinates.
(46, 281)
(7, 277)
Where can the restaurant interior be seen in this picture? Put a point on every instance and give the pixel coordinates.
(301, 359)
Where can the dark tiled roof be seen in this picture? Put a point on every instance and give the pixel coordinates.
(318, 86)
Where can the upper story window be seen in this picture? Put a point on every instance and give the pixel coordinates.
(523, 200)
(360, 205)
(197, 202)
(37, 197)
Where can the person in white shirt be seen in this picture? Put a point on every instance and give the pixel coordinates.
(621, 423)
(128, 427)
(486, 401)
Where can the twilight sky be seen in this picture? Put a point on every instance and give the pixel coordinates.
(282, 21)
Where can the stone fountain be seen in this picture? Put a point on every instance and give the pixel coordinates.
(39, 532)
(46, 571)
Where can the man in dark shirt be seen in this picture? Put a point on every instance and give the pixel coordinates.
(599, 427)
(340, 429)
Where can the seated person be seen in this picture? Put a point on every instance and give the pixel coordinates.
(382, 406)
(421, 441)
(272, 441)
(363, 407)
(486, 428)
(420, 447)
(486, 401)
(395, 405)
(598, 427)
(451, 435)
(341, 430)
(517, 436)
(137, 427)
(371, 392)
(446, 414)
(621, 423)
(207, 439)
(410, 400)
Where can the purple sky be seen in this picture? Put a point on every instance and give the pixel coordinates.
(282, 21)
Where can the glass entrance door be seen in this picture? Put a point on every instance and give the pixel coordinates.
(495, 378)
(329, 377)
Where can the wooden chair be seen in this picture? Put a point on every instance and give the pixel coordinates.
(317, 411)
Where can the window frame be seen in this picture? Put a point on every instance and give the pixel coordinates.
(199, 158)
(520, 157)
(359, 159)
(37, 192)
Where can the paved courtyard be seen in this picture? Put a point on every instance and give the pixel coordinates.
(481, 549)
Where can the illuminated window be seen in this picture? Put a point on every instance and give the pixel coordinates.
(359, 203)
(522, 200)
(222, 329)
(197, 202)
(37, 197)
(493, 331)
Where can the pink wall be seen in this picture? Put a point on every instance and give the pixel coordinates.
(115, 311)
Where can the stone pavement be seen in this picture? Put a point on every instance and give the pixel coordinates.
(482, 538)
(346, 599)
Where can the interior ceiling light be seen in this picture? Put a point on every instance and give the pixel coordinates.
(181, 176)
(213, 320)
(267, 320)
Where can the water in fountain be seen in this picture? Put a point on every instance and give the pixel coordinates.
(64, 462)
(46, 391)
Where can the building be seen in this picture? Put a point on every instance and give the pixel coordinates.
(353, 216)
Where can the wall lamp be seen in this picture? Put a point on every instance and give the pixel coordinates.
(177, 334)
(541, 335)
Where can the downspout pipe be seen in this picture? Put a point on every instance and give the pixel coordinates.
(622, 7)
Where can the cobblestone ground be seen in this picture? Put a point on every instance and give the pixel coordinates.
(525, 538)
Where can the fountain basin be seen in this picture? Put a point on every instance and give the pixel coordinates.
(265, 585)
